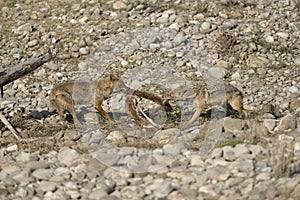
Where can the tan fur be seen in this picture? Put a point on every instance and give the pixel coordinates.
(204, 97)
(61, 96)
(132, 109)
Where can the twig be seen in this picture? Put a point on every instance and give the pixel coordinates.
(155, 125)
(9, 126)
(11, 73)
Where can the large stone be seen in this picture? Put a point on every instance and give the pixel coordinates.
(37, 165)
(197, 161)
(42, 174)
(269, 124)
(231, 125)
(117, 137)
(205, 26)
(68, 156)
(26, 157)
(241, 149)
(166, 136)
(98, 194)
(223, 64)
(287, 123)
(212, 173)
(173, 149)
(119, 5)
(163, 191)
(228, 153)
(217, 72)
(255, 62)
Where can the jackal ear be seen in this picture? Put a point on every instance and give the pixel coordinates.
(114, 76)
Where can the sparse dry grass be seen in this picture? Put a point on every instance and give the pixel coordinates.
(37, 136)
(281, 158)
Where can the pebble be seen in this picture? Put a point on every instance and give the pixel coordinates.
(163, 19)
(228, 153)
(269, 124)
(205, 26)
(287, 122)
(270, 39)
(217, 72)
(182, 40)
(42, 174)
(119, 5)
(37, 165)
(173, 149)
(68, 156)
(98, 194)
(197, 161)
(33, 43)
(233, 124)
(294, 89)
(84, 51)
(12, 148)
(163, 190)
(297, 61)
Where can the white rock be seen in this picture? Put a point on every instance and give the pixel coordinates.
(263, 176)
(67, 156)
(33, 43)
(119, 5)
(163, 19)
(178, 39)
(297, 146)
(294, 89)
(173, 149)
(25, 27)
(205, 26)
(297, 61)
(217, 72)
(12, 148)
(73, 21)
(82, 66)
(83, 20)
(84, 51)
(43, 174)
(174, 26)
(59, 74)
(269, 124)
(270, 39)
(282, 35)
(287, 123)
(117, 136)
(236, 76)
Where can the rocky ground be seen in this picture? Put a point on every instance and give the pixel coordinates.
(254, 45)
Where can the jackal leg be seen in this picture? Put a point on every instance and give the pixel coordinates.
(236, 102)
(97, 104)
(64, 102)
(154, 98)
(200, 107)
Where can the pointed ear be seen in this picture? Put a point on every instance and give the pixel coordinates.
(111, 77)
(114, 76)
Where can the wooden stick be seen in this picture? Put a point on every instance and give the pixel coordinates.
(14, 72)
(155, 125)
(9, 126)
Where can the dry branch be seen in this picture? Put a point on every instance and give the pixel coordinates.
(9, 126)
(14, 72)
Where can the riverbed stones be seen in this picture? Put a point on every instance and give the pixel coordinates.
(258, 52)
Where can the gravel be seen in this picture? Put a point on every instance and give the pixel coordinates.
(251, 44)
